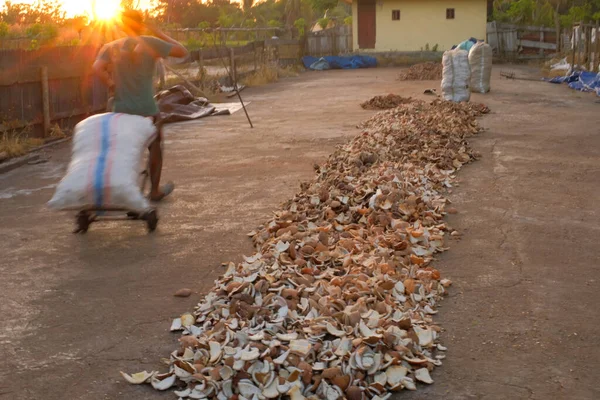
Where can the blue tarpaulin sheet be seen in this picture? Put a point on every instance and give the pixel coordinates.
(335, 62)
(584, 81)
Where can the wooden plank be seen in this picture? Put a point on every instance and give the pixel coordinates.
(538, 45)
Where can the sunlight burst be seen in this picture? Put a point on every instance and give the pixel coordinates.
(106, 9)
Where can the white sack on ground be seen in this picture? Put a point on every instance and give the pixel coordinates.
(456, 75)
(105, 164)
(480, 60)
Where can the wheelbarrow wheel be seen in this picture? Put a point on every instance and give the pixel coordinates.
(152, 220)
(83, 222)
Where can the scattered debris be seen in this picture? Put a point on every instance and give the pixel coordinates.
(386, 102)
(338, 301)
(429, 71)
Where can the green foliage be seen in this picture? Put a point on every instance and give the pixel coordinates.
(204, 25)
(340, 12)
(348, 20)
(33, 45)
(320, 6)
(4, 29)
(274, 24)
(300, 25)
(323, 22)
(544, 12)
(226, 20)
(42, 32)
(42, 11)
(576, 14)
(525, 12)
(194, 44)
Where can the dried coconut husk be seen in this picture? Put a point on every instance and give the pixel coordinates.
(429, 71)
(386, 102)
(338, 300)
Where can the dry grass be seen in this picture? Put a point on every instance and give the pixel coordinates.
(262, 76)
(15, 143)
(269, 74)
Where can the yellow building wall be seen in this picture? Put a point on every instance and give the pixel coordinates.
(424, 22)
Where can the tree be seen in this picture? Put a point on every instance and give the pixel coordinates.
(320, 6)
(43, 12)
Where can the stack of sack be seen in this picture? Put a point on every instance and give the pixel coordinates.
(105, 164)
(466, 71)
(456, 75)
(480, 60)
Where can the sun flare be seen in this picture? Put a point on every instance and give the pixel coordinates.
(106, 9)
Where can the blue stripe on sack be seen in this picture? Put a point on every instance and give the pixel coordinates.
(101, 165)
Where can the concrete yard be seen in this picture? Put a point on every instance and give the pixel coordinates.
(520, 321)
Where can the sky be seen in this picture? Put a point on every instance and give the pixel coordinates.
(78, 7)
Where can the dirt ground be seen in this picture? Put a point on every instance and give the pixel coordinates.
(521, 320)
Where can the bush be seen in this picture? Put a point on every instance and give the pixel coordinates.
(42, 32)
(194, 44)
(274, 24)
(33, 45)
(204, 25)
(300, 24)
(348, 20)
(4, 29)
(323, 22)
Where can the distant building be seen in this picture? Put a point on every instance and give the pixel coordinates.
(413, 25)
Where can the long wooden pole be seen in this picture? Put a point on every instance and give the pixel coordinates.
(196, 88)
(45, 100)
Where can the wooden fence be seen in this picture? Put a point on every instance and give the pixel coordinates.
(40, 87)
(56, 85)
(223, 35)
(330, 42)
(524, 42)
(585, 46)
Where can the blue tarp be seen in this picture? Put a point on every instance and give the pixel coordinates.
(584, 81)
(334, 62)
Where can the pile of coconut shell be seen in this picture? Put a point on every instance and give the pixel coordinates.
(386, 102)
(429, 71)
(338, 301)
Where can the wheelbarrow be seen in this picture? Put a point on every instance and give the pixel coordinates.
(86, 217)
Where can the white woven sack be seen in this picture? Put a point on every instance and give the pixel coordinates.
(105, 164)
(456, 75)
(480, 60)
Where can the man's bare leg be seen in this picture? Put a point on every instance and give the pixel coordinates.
(156, 159)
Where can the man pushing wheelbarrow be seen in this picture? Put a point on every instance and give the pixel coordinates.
(133, 62)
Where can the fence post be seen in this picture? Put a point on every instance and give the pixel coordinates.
(588, 36)
(232, 68)
(597, 51)
(254, 48)
(558, 32)
(201, 65)
(45, 100)
(497, 38)
(573, 45)
(542, 41)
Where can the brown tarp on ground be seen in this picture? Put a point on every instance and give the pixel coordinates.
(178, 104)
